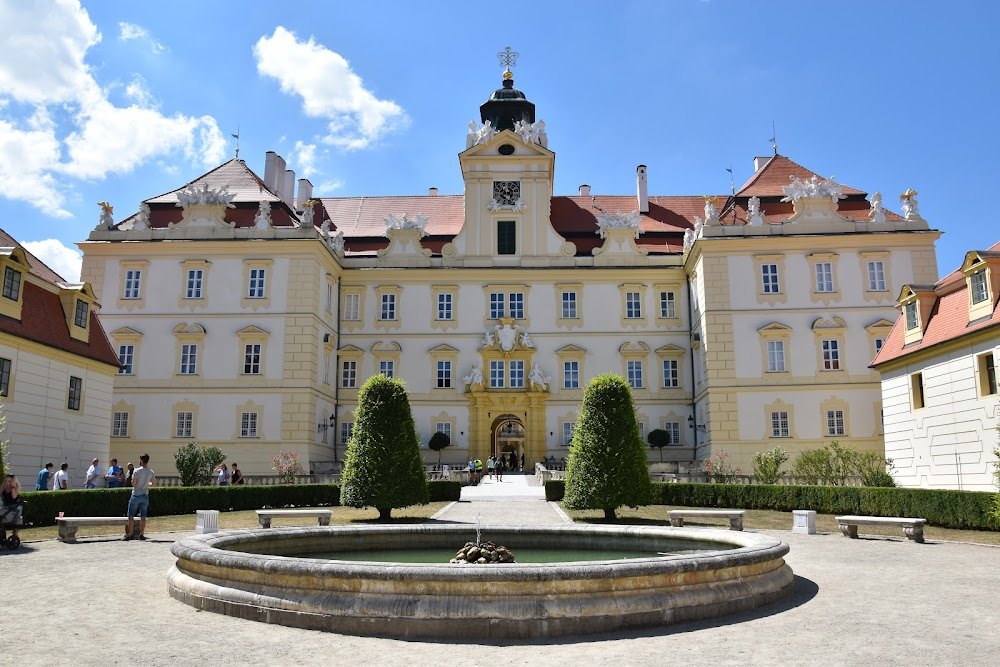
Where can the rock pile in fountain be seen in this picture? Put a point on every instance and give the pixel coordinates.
(482, 554)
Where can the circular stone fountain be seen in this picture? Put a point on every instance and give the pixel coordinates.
(237, 573)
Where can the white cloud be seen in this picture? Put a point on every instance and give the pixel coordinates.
(329, 89)
(129, 31)
(42, 67)
(304, 159)
(326, 187)
(62, 259)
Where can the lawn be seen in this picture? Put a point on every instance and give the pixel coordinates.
(245, 519)
(771, 520)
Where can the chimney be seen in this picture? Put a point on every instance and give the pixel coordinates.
(642, 191)
(305, 191)
(759, 162)
(584, 190)
(288, 192)
(432, 192)
(270, 169)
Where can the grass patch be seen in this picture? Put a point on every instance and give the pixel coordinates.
(656, 515)
(246, 519)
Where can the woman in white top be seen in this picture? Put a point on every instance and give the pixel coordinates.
(223, 475)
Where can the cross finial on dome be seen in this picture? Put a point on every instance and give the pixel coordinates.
(508, 58)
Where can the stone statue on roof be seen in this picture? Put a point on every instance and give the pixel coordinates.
(485, 133)
(618, 220)
(263, 218)
(472, 136)
(711, 208)
(336, 242)
(307, 214)
(192, 195)
(755, 216)
(814, 188)
(911, 210)
(538, 127)
(877, 214)
(106, 221)
(406, 223)
(698, 224)
(688, 238)
(141, 223)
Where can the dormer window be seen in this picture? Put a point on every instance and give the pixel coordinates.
(11, 283)
(910, 310)
(82, 311)
(977, 284)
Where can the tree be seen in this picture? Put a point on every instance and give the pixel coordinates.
(196, 464)
(658, 439)
(438, 442)
(607, 460)
(383, 468)
(767, 465)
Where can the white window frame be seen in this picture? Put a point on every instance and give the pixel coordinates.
(346, 430)
(515, 305)
(349, 374)
(444, 306)
(256, 283)
(194, 283)
(183, 424)
(673, 430)
(568, 301)
(876, 275)
(387, 312)
(824, 277)
(671, 374)
(443, 427)
(775, 356)
(769, 281)
(497, 374)
(443, 375)
(910, 313)
(831, 354)
(387, 367)
(497, 305)
(126, 357)
(516, 374)
(633, 305)
(835, 423)
(248, 425)
(132, 288)
(779, 424)
(633, 369)
(571, 374)
(568, 429)
(189, 359)
(978, 289)
(668, 304)
(252, 354)
(352, 307)
(119, 425)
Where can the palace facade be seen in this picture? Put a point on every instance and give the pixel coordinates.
(248, 313)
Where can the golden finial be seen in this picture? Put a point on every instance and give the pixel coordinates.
(711, 198)
(909, 194)
(507, 74)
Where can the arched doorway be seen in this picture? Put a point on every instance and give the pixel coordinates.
(507, 437)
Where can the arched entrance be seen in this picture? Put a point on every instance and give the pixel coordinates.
(507, 436)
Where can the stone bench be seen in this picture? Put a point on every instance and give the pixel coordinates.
(912, 528)
(68, 525)
(735, 517)
(265, 516)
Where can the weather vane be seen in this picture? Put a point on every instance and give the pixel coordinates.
(508, 58)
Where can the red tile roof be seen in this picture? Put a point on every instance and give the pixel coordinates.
(948, 320)
(240, 179)
(769, 180)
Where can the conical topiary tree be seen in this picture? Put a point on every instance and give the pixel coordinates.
(607, 460)
(383, 467)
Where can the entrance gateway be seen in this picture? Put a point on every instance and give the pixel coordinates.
(507, 437)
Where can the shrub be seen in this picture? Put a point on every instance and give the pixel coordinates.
(829, 465)
(720, 469)
(287, 465)
(607, 459)
(383, 468)
(196, 464)
(555, 490)
(438, 442)
(874, 469)
(658, 439)
(767, 465)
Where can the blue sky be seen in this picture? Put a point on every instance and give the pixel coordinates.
(123, 100)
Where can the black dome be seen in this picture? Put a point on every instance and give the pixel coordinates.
(507, 105)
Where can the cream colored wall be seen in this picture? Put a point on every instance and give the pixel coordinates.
(40, 427)
(949, 443)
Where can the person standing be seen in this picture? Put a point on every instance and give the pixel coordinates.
(93, 475)
(142, 479)
(223, 474)
(61, 482)
(522, 463)
(129, 471)
(115, 475)
(42, 483)
(236, 476)
(490, 465)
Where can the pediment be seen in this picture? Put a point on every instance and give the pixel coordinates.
(670, 349)
(825, 323)
(16, 255)
(443, 349)
(391, 346)
(972, 258)
(190, 329)
(522, 149)
(881, 324)
(122, 332)
(252, 330)
(773, 327)
(571, 349)
(350, 349)
(633, 348)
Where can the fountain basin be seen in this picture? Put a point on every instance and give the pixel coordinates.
(241, 573)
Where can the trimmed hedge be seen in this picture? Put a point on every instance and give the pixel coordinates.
(946, 508)
(42, 507)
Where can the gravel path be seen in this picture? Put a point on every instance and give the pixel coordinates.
(878, 601)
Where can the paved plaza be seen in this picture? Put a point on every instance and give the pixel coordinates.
(877, 601)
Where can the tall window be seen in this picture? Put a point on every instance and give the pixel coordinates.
(4, 377)
(444, 306)
(978, 283)
(835, 422)
(779, 424)
(189, 358)
(775, 356)
(352, 307)
(673, 430)
(769, 279)
(824, 277)
(671, 374)
(326, 368)
(251, 359)
(82, 310)
(133, 278)
(571, 375)
(346, 429)
(329, 296)
(387, 368)
(349, 375)
(987, 375)
(126, 357)
(11, 283)
(516, 305)
(831, 355)
(569, 305)
(917, 391)
(517, 374)
(184, 425)
(443, 427)
(255, 287)
(634, 370)
(633, 306)
(910, 310)
(75, 391)
(567, 433)
(119, 425)
(668, 305)
(388, 307)
(497, 374)
(876, 276)
(443, 374)
(496, 305)
(506, 237)
(195, 278)
(248, 425)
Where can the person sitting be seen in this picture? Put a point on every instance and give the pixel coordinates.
(11, 500)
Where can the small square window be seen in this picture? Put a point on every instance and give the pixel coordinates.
(387, 368)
